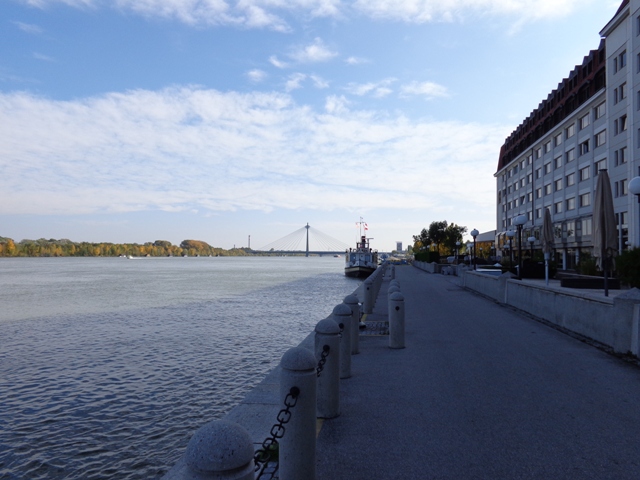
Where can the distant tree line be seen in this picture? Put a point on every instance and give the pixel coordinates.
(67, 248)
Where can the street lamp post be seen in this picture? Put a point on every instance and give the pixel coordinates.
(531, 240)
(510, 235)
(634, 187)
(520, 220)
(457, 251)
(469, 245)
(474, 234)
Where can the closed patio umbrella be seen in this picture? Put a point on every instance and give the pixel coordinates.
(605, 232)
(547, 241)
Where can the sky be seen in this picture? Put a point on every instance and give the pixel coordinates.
(140, 120)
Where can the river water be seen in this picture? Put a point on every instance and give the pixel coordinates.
(108, 365)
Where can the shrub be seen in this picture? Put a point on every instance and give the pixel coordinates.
(628, 267)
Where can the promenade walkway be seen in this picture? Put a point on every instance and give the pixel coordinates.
(480, 392)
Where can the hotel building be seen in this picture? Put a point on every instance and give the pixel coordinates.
(590, 122)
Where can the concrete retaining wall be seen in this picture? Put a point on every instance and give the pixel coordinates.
(611, 321)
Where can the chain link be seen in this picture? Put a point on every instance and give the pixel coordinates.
(323, 359)
(269, 451)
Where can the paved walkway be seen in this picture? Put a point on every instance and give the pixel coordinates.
(480, 392)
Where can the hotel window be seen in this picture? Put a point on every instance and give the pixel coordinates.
(538, 172)
(557, 207)
(538, 213)
(547, 147)
(529, 197)
(620, 157)
(620, 93)
(584, 122)
(619, 62)
(570, 131)
(599, 111)
(584, 147)
(620, 188)
(601, 138)
(529, 178)
(570, 179)
(558, 185)
(585, 199)
(585, 174)
(571, 155)
(538, 193)
(587, 226)
(571, 203)
(557, 162)
(515, 187)
(522, 182)
(547, 168)
(620, 125)
(557, 140)
(600, 165)
(547, 189)
(571, 228)
(538, 152)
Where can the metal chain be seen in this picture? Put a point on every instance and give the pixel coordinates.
(269, 449)
(323, 359)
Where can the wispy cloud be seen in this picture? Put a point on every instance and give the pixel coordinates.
(256, 75)
(376, 89)
(276, 62)
(270, 13)
(355, 61)
(428, 90)
(44, 58)
(29, 28)
(312, 53)
(190, 148)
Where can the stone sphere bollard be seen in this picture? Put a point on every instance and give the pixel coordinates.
(298, 445)
(342, 316)
(328, 386)
(396, 320)
(392, 289)
(368, 295)
(219, 450)
(351, 301)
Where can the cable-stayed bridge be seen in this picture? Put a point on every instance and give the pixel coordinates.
(306, 240)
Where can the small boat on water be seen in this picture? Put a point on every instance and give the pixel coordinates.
(361, 261)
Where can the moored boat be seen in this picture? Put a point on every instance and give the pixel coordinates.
(361, 261)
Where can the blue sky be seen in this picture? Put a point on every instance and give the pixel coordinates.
(140, 120)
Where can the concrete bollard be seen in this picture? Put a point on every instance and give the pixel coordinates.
(298, 445)
(368, 295)
(392, 289)
(351, 301)
(396, 320)
(393, 272)
(342, 316)
(328, 386)
(219, 450)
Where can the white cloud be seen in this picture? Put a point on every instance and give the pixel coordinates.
(294, 81)
(190, 148)
(376, 89)
(313, 53)
(256, 75)
(355, 61)
(423, 11)
(424, 89)
(273, 60)
(319, 82)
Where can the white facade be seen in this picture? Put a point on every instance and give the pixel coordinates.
(558, 170)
